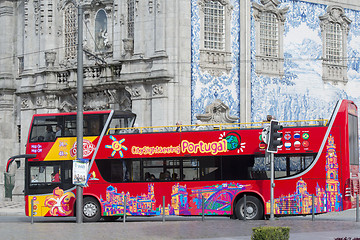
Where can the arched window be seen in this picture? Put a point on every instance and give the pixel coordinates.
(70, 31)
(269, 43)
(101, 35)
(214, 25)
(269, 26)
(334, 30)
(333, 43)
(131, 18)
(215, 36)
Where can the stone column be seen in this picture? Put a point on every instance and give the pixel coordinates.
(7, 120)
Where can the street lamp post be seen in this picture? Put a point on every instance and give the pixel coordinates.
(79, 116)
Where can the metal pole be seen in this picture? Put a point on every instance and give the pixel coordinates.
(313, 208)
(202, 208)
(163, 217)
(245, 208)
(79, 116)
(272, 185)
(124, 218)
(32, 211)
(357, 207)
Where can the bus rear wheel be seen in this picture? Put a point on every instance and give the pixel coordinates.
(91, 210)
(254, 208)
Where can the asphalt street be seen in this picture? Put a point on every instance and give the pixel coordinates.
(326, 226)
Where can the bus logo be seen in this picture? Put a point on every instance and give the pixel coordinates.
(117, 146)
(88, 148)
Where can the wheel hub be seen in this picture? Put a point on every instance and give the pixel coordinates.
(90, 209)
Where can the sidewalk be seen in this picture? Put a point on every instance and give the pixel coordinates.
(9, 208)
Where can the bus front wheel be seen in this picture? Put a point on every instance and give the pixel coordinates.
(254, 208)
(91, 210)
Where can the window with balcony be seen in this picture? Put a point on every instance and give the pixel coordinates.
(269, 27)
(334, 30)
(215, 54)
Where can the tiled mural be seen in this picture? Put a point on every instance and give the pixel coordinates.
(205, 88)
(301, 93)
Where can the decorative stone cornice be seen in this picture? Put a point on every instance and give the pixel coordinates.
(269, 6)
(217, 112)
(6, 11)
(335, 14)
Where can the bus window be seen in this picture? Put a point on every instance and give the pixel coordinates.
(353, 140)
(284, 166)
(210, 169)
(236, 167)
(260, 169)
(191, 170)
(45, 174)
(172, 170)
(70, 126)
(91, 125)
(299, 163)
(153, 170)
(118, 170)
(45, 128)
(121, 120)
(43, 177)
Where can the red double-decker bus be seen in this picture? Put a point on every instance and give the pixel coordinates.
(192, 169)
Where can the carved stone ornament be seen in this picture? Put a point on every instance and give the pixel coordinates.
(151, 6)
(217, 112)
(270, 6)
(335, 14)
(68, 104)
(128, 46)
(134, 91)
(157, 90)
(50, 57)
(96, 101)
(225, 3)
(121, 98)
(51, 100)
(39, 101)
(25, 103)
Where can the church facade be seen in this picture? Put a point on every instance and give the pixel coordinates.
(168, 61)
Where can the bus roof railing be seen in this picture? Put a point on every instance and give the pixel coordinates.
(214, 126)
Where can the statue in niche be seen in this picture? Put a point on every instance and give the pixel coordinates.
(101, 34)
(217, 112)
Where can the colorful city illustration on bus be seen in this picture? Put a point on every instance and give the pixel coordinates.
(217, 198)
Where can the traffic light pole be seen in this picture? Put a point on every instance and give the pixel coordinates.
(272, 186)
(272, 137)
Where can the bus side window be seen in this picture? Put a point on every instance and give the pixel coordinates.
(92, 125)
(45, 174)
(70, 126)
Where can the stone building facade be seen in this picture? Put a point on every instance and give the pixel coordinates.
(167, 61)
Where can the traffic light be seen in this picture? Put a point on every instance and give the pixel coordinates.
(275, 136)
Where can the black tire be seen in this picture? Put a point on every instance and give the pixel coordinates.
(91, 210)
(111, 218)
(255, 209)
